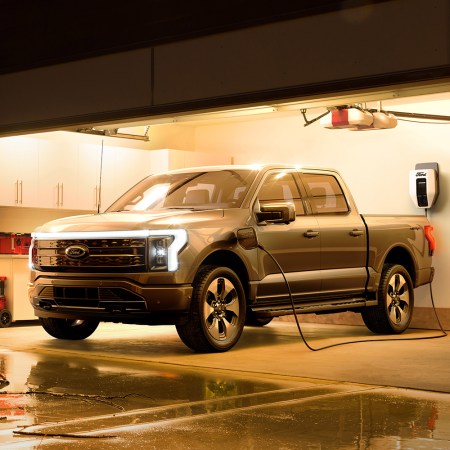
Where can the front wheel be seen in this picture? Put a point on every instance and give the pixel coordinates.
(217, 314)
(394, 311)
(69, 329)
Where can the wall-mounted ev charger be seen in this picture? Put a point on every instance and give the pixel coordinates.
(424, 184)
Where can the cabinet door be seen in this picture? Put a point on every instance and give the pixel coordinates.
(58, 175)
(89, 176)
(97, 181)
(122, 168)
(107, 179)
(19, 167)
(132, 166)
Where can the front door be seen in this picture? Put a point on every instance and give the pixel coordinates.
(294, 245)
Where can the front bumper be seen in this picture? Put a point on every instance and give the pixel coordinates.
(112, 300)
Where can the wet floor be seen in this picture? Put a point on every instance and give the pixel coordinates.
(53, 400)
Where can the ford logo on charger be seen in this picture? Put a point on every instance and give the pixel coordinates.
(77, 252)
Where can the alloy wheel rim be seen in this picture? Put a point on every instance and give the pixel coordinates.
(221, 310)
(398, 300)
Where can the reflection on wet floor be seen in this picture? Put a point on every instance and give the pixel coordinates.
(57, 402)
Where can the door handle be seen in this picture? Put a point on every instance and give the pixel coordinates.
(356, 233)
(311, 234)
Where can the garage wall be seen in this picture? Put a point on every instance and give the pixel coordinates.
(375, 164)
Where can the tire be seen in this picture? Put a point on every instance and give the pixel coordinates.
(5, 318)
(254, 321)
(217, 314)
(69, 329)
(395, 307)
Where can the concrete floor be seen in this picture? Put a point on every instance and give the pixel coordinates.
(140, 387)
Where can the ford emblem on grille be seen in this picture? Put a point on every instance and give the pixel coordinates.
(77, 252)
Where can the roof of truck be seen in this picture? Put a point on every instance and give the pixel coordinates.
(257, 167)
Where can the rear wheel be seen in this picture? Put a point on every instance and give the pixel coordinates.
(217, 314)
(69, 329)
(394, 311)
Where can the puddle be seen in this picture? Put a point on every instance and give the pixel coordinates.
(61, 402)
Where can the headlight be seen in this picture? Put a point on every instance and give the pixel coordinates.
(159, 252)
(164, 248)
(32, 256)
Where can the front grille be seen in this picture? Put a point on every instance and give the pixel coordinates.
(96, 298)
(93, 255)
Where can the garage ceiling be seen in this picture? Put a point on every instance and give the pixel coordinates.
(291, 57)
(422, 99)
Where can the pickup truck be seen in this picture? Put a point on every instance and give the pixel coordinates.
(213, 249)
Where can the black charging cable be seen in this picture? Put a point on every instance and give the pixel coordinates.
(444, 333)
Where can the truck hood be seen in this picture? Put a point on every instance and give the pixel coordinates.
(131, 220)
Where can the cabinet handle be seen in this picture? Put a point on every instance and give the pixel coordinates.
(60, 194)
(19, 192)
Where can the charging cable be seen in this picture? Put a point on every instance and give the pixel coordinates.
(444, 333)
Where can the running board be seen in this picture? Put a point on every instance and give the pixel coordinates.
(285, 310)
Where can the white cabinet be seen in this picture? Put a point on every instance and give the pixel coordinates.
(100, 173)
(58, 175)
(19, 171)
(122, 168)
(132, 166)
(107, 188)
(76, 176)
(105, 174)
(54, 171)
(89, 176)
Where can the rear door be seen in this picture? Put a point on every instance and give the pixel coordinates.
(342, 236)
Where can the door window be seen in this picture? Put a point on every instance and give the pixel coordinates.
(326, 195)
(281, 187)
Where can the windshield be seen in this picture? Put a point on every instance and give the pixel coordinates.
(188, 190)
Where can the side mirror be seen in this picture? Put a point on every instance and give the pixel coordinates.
(276, 213)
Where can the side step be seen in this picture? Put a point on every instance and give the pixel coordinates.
(307, 308)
